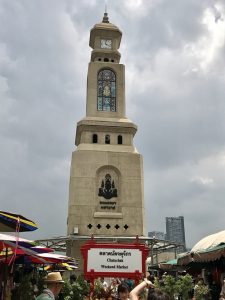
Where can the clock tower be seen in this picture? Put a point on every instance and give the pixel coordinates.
(106, 176)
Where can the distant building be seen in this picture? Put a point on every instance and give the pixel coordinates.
(159, 235)
(175, 231)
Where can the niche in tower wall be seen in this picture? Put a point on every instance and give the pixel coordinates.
(107, 189)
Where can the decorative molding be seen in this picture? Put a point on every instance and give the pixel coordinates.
(108, 215)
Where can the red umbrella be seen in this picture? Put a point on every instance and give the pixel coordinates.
(31, 254)
(11, 242)
(19, 246)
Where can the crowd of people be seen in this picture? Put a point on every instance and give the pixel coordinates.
(125, 289)
(122, 290)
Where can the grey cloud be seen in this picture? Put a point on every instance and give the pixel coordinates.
(177, 105)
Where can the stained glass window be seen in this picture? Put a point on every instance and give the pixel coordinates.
(106, 90)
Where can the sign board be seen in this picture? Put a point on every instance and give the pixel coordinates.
(114, 260)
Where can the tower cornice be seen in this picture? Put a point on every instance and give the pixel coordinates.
(104, 125)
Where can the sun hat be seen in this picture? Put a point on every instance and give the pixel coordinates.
(54, 277)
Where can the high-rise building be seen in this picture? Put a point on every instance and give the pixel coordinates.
(159, 235)
(175, 231)
(106, 177)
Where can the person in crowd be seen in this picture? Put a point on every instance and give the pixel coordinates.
(129, 283)
(54, 285)
(123, 292)
(113, 287)
(153, 294)
(104, 283)
(151, 278)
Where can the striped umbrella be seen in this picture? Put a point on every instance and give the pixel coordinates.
(13, 222)
(12, 247)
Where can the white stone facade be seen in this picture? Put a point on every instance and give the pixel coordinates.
(106, 179)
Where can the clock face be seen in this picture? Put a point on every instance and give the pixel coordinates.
(106, 44)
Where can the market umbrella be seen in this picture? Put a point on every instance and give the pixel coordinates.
(10, 245)
(24, 250)
(10, 241)
(70, 266)
(210, 248)
(41, 249)
(10, 222)
(43, 258)
(170, 265)
(25, 253)
(51, 258)
(210, 241)
(7, 243)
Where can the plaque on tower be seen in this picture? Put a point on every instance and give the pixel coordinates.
(107, 189)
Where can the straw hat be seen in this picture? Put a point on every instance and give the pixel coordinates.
(54, 277)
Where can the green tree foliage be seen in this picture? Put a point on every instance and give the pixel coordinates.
(175, 286)
(41, 281)
(184, 285)
(201, 291)
(66, 290)
(169, 285)
(77, 290)
(26, 290)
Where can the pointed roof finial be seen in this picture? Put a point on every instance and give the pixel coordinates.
(105, 18)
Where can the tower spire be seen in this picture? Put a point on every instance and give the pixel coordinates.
(105, 17)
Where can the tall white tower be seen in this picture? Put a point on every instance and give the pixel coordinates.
(106, 178)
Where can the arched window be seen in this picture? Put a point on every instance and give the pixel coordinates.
(106, 90)
(120, 140)
(107, 139)
(94, 138)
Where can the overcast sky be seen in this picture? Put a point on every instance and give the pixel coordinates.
(174, 52)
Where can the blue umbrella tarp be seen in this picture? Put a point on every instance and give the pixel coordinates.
(10, 222)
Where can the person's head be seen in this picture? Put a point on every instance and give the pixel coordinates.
(54, 282)
(151, 278)
(155, 294)
(123, 291)
(114, 282)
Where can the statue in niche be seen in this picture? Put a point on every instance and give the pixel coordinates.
(107, 189)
